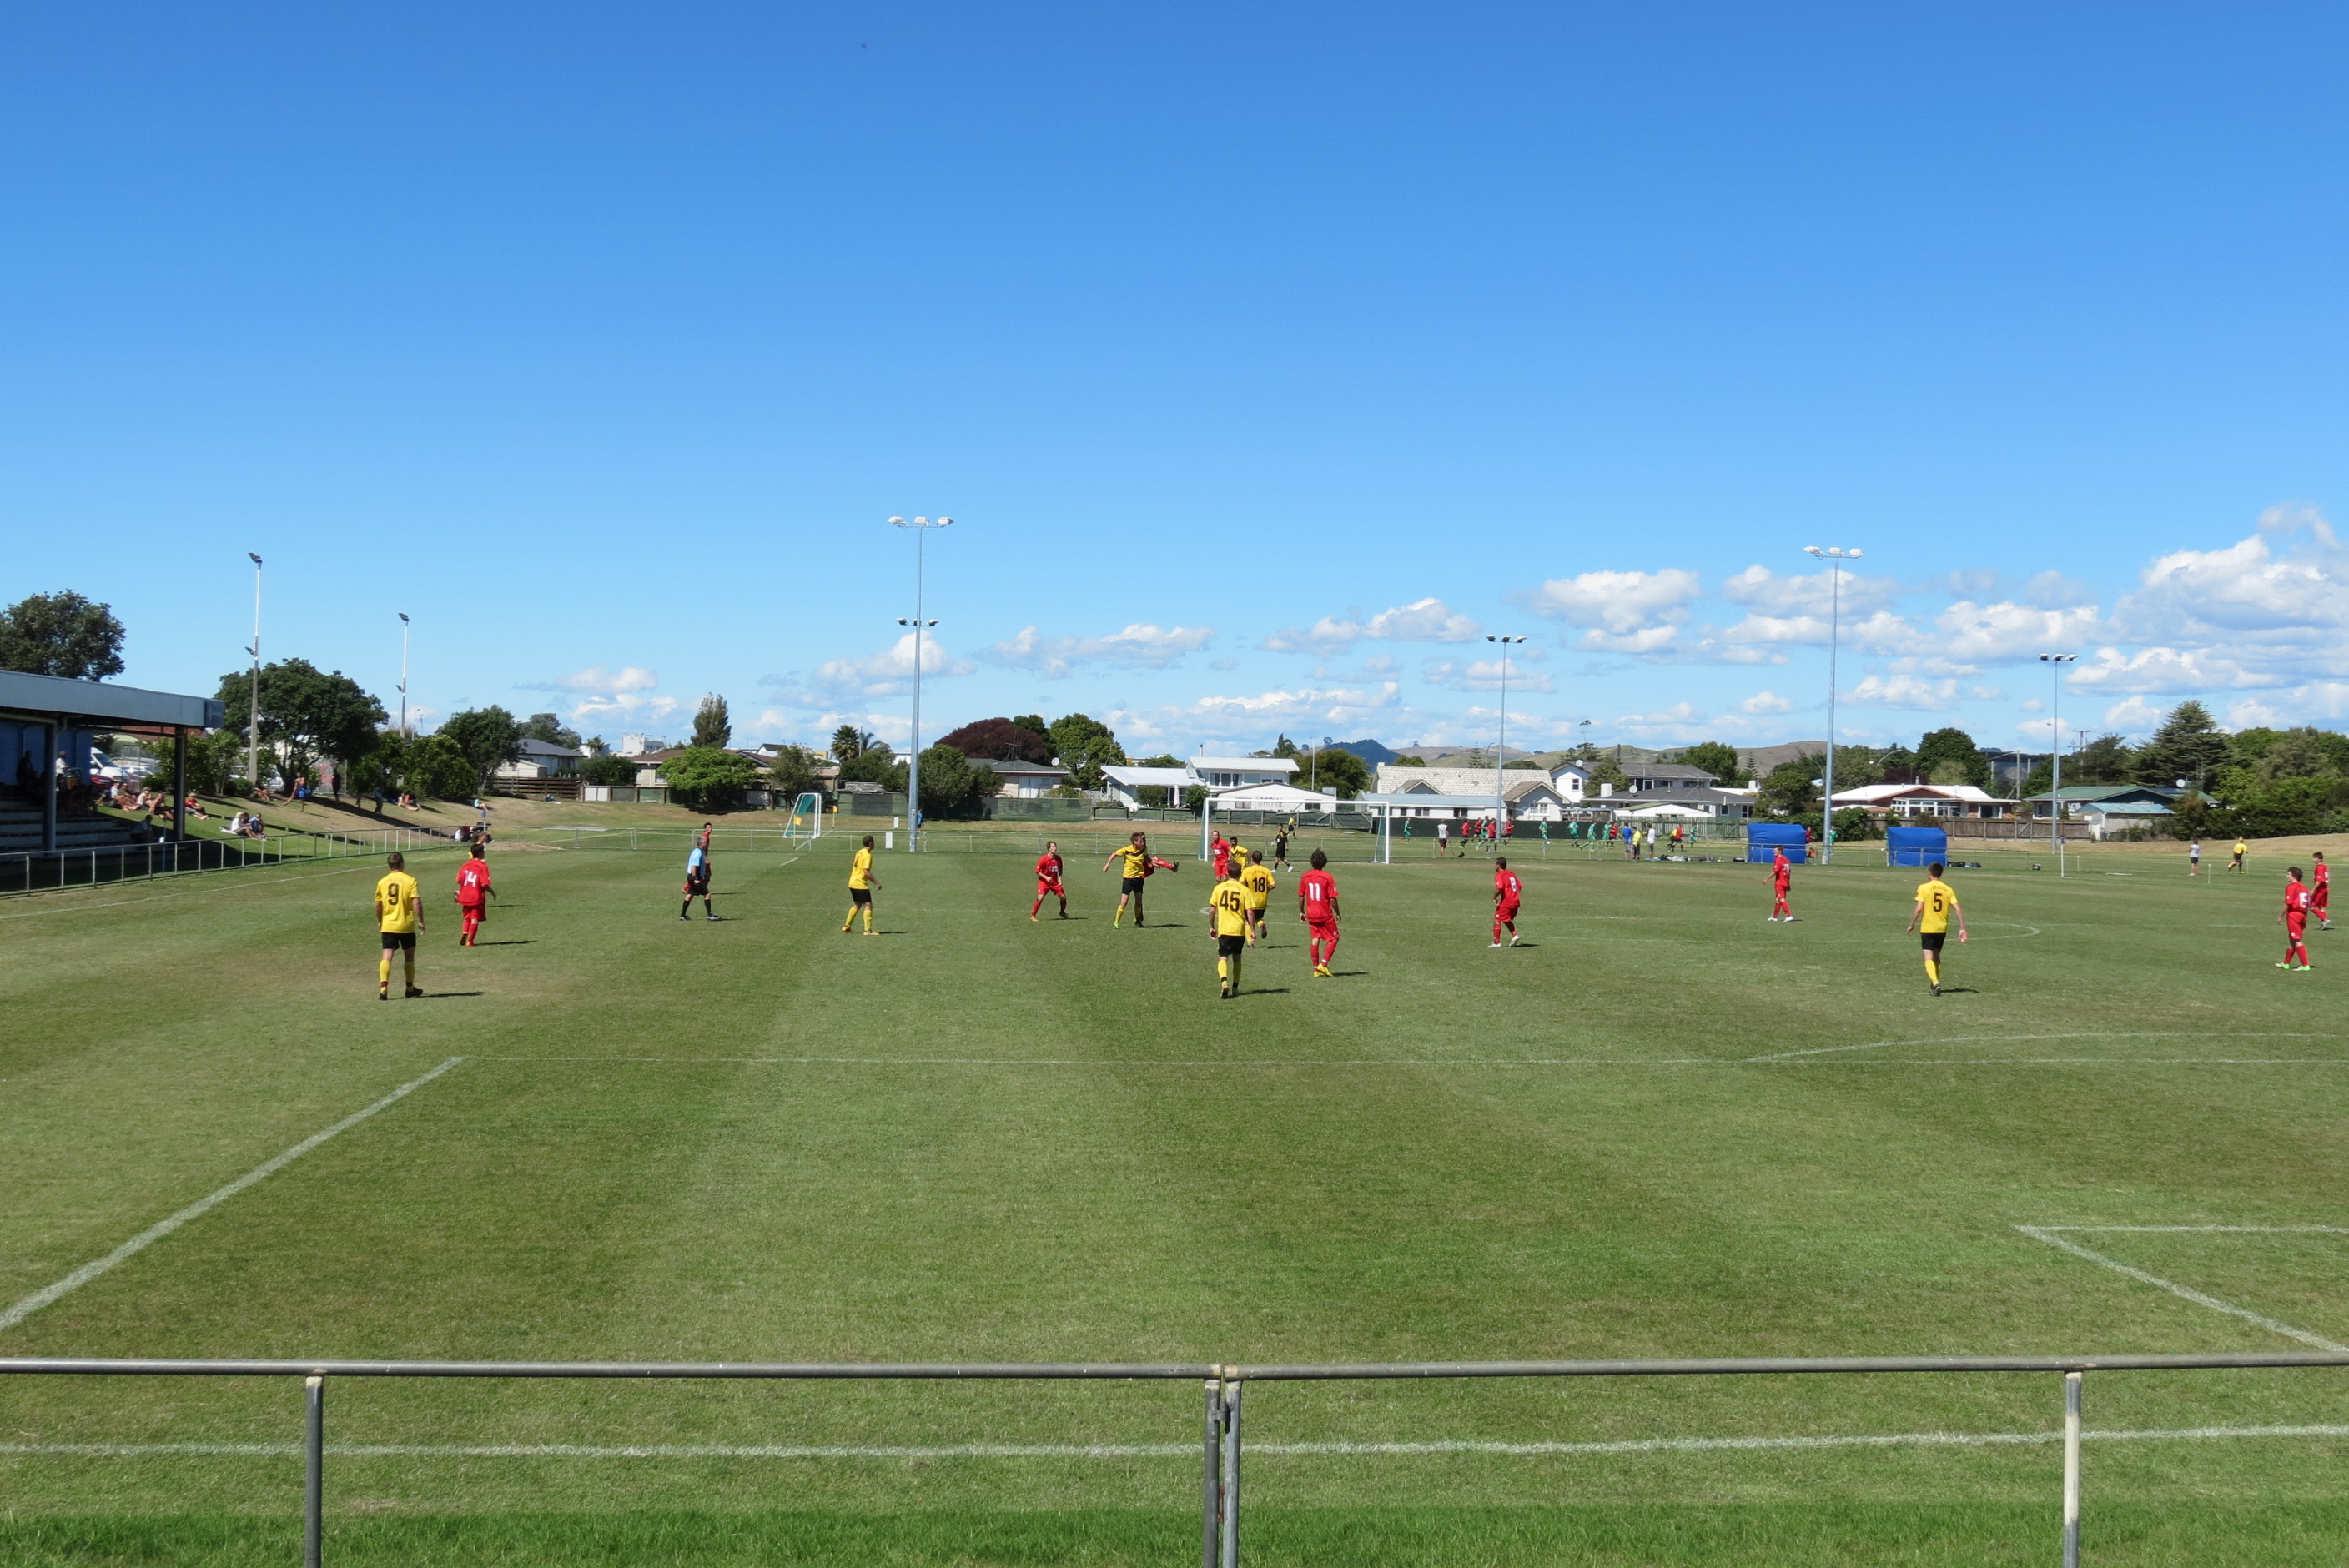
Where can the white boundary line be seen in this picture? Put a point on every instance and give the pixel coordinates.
(209, 1201)
(2077, 1035)
(246, 886)
(1434, 1062)
(1133, 1451)
(2051, 1236)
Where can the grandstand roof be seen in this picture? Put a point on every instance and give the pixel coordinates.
(57, 698)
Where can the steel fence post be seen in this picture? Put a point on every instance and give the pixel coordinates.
(314, 1468)
(1211, 1505)
(2071, 1469)
(1231, 1558)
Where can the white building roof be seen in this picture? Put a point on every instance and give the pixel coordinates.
(1243, 765)
(1150, 777)
(1272, 798)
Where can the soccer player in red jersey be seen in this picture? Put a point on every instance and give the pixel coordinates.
(1317, 906)
(1506, 889)
(473, 891)
(2294, 920)
(2320, 897)
(1048, 882)
(1219, 849)
(1782, 878)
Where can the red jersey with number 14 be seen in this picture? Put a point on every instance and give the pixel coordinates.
(1048, 870)
(1319, 892)
(472, 881)
(1505, 882)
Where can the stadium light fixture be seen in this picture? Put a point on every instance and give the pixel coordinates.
(1833, 555)
(921, 527)
(403, 671)
(2056, 662)
(1501, 746)
(253, 691)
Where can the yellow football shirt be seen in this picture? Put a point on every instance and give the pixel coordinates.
(1137, 862)
(860, 872)
(396, 897)
(1259, 884)
(1231, 905)
(1934, 901)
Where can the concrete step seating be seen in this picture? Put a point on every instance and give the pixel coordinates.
(20, 830)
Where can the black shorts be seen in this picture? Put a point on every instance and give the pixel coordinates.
(403, 940)
(696, 884)
(1131, 884)
(860, 895)
(1231, 946)
(1932, 940)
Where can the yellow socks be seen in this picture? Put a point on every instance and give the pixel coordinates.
(1932, 972)
(383, 971)
(1118, 919)
(868, 919)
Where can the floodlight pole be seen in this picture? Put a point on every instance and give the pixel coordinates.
(1831, 555)
(403, 673)
(1501, 746)
(921, 527)
(252, 717)
(2056, 662)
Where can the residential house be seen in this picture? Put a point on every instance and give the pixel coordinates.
(2109, 808)
(542, 759)
(1024, 780)
(1568, 782)
(1955, 801)
(1642, 776)
(1125, 783)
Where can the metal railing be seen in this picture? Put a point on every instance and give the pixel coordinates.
(42, 870)
(1221, 1440)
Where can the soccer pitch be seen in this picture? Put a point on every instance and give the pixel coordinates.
(1664, 1128)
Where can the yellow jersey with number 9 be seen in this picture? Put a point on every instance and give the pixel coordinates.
(395, 898)
(1934, 902)
(1231, 905)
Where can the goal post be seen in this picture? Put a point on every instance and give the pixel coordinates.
(806, 818)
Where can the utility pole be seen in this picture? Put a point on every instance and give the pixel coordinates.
(1832, 555)
(403, 674)
(1501, 746)
(921, 527)
(253, 717)
(2056, 662)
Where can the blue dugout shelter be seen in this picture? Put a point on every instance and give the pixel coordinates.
(1765, 840)
(1915, 846)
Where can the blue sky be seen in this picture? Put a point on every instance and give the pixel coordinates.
(1268, 359)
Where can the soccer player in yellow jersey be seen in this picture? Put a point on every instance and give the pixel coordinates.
(1227, 917)
(861, 884)
(1259, 883)
(401, 920)
(1135, 866)
(1936, 902)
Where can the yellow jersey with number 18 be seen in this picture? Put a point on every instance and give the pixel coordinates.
(1934, 902)
(860, 870)
(1259, 884)
(1231, 905)
(395, 899)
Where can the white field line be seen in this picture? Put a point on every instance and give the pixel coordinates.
(2079, 1035)
(209, 1201)
(246, 886)
(2049, 1235)
(1433, 1062)
(1135, 1450)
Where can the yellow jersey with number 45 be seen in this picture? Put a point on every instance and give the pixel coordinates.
(1934, 902)
(1230, 903)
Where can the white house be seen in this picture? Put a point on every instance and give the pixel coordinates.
(1926, 800)
(1285, 797)
(1567, 780)
(1024, 780)
(1218, 773)
(542, 759)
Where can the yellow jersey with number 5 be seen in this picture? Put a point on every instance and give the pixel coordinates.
(1934, 902)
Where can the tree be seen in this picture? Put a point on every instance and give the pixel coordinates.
(2297, 754)
(952, 786)
(874, 763)
(61, 634)
(1714, 758)
(1032, 722)
(709, 777)
(547, 728)
(2188, 745)
(487, 737)
(213, 760)
(306, 712)
(1408, 760)
(1084, 746)
(1938, 754)
(848, 740)
(713, 725)
(434, 766)
(607, 770)
(1329, 768)
(2104, 760)
(791, 773)
(998, 739)
(1788, 790)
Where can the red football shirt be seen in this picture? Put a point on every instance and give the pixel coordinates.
(1048, 868)
(1509, 884)
(2296, 898)
(1319, 891)
(472, 881)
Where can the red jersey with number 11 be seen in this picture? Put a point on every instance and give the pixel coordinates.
(1319, 892)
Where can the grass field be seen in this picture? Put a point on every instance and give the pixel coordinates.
(1664, 1127)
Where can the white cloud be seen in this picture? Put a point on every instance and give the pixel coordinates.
(1904, 688)
(884, 674)
(1234, 717)
(596, 678)
(623, 696)
(1766, 591)
(2006, 631)
(2164, 669)
(1140, 646)
(1484, 675)
(1627, 611)
(1985, 692)
(2250, 588)
(2054, 590)
(2134, 716)
(1421, 621)
(1763, 702)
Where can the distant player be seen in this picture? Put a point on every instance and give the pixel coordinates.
(701, 840)
(1782, 880)
(473, 891)
(1443, 837)
(1220, 851)
(401, 920)
(2320, 896)
(2294, 920)
(1135, 863)
(696, 883)
(1280, 847)
(1507, 891)
(861, 885)
(1048, 882)
(1228, 918)
(2241, 848)
(2194, 857)
(1936, 902)
(1259, 883)
(1317, 906)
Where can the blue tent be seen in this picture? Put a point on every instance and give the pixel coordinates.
(1915, 846)
(1765, 840)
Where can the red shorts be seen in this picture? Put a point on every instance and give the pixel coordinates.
(1322, 931)
(1053, 888)
(2321, 897)
(468, 906)
(1506, 913)
(2296, 927)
